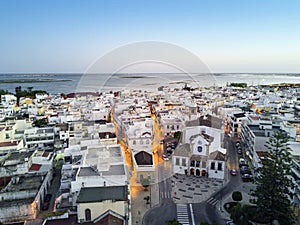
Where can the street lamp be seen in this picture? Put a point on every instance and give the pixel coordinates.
(221, 192)
(150, 194)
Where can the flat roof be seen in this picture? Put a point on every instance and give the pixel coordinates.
(114, 170)
(15, 202)
(97, 194)
(30, 182)
(15, 158)
(87, 171)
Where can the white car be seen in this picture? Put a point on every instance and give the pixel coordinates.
(242, 161)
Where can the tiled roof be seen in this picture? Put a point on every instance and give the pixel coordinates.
(182, 150)
(9, 143)
(217, 155)
(208, 120)
(143, 158)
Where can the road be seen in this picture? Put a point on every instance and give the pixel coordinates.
(166, 210)
(206, 212)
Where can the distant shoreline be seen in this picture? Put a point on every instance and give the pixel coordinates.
(32, 81)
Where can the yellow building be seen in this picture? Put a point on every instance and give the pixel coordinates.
(97, 203)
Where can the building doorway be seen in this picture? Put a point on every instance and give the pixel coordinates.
(192, 171)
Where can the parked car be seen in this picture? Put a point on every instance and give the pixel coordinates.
(245, 169)
(230, 222)
(240, 151)
(247, 177)
(242, 161)
(243, 164)
(166, 158)
(233, 172)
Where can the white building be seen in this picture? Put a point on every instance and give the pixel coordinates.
(39, 137)
(139, 135)
(201, 154)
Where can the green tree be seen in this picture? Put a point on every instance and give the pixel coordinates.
(4, 92)
(40, 122)
(18, 94)
(177, 135)
(241, 85)
(146, 183)
(274, 183)
(173, 222)
(237, 196)
(239, 214)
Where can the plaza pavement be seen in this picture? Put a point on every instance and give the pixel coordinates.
(192, 189)
(186, 189)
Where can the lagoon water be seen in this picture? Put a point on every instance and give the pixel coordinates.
(67, 83)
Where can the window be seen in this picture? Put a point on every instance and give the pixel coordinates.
(177, 162)
(88, 215)
(193, 163)
(168, 127)
(134, 142)
(219, 166)
(183, 162)
(203, 164)
(197, 163)
(147, 142)
(177, 127)
(212, 165)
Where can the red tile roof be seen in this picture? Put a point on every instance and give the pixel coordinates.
(35, 167)
(9, 143)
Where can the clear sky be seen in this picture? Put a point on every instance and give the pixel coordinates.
(227, 35)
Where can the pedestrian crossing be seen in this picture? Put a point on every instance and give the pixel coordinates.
(212, 201)
(165, 194)
(182, 214)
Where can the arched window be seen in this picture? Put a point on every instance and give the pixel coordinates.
(88, 215)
